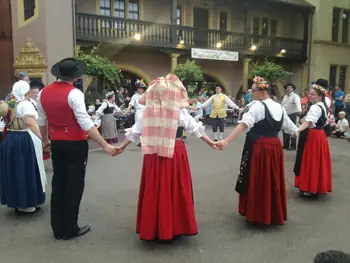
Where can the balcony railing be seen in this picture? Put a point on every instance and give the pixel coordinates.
(104, 28)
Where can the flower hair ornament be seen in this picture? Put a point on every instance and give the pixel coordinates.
(262, 84)
(109, 94)
(319, 88)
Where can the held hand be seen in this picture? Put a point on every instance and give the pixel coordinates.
(221, 144)
(213, 145)
(121, 149)
(111, 150)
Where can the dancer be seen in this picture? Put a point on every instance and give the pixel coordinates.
(261, 182)
(22, 172)
(291, 102)
(165, 207)
(313, 168)
(62, 106)
(105, 113)
(218, 113)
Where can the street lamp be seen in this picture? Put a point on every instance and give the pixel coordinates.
(253, 47)
(218, 45)
(137, 36)
(283, 51)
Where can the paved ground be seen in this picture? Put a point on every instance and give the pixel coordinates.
(109, 205)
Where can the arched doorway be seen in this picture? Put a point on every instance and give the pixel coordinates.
(128, 81)
(207, 86)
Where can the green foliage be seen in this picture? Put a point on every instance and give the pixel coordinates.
(99, 67)
(189, 72)
(269, 71)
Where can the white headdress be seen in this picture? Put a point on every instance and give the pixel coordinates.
(20, 89)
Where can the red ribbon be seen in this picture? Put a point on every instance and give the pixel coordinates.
(7, 119)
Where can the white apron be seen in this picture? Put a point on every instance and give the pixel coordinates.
(38, 146)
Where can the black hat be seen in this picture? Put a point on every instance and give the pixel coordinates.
(322, 82)
(290, 85)
(36, 84)
(140, 84)
(68, 69)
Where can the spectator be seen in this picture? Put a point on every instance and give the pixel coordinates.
(339, 100)
(332, 256)
(304, 100)
(248, 97)
(342, 125)
(23, 76)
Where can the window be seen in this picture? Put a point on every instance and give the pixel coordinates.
(133, 9)
(179, 15)
(345, 27)
(335, 24)
(333, 76)
(264, 26)
(119, 8)
(223, 21)
(342, 77)
(29, 8)
(124, 9)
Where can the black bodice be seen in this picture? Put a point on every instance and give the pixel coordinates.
(179, 132)
(108, 110)
(322, 121)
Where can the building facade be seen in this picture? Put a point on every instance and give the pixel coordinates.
(330, 42)
(148, 38)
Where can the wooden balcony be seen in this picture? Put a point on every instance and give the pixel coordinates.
(98, 28)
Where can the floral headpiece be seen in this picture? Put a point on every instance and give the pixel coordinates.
(319, 88)
(262, 84)
(109, 94)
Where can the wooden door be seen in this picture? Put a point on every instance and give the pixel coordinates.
(201, 25)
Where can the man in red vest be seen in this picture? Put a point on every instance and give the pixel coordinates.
(62, 111)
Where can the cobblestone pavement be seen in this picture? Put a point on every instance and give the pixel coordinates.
(109, 206)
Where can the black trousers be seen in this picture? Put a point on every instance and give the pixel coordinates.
(288, 140)
(218, 122)
(69, 159)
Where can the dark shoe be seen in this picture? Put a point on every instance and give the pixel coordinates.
(81, 231)
(139, 145)
(58, 237)
(285, 147)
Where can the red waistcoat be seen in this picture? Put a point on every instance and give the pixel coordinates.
(63, 125)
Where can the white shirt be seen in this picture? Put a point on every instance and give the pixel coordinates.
(185, 120)
(135, 101)
(315, 113)
(109, 104)
(76, 102)
(343, 125)
(26, 108)
(34, 102)
(256, 113)
(328, 102)
(291, 102)
(216, 97)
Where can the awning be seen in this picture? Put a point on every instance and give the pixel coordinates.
(302, 3)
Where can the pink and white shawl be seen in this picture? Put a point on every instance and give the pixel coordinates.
(163, 100)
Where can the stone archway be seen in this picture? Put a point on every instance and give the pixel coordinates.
(136, 71)
(30, 60)
(219, 81)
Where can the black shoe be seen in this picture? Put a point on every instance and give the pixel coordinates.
(58, 237)
(139, 145)
(81, 231)
(285, 147)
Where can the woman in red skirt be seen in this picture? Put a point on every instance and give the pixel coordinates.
(165, 207)
(261, 182)
(313, 169)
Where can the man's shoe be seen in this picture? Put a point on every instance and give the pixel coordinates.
(81, 231)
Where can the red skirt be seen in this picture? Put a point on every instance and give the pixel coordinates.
(316, 168)
(165, 206)
(265, 202)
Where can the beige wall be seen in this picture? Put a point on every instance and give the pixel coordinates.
(325, 53)
(51, 31)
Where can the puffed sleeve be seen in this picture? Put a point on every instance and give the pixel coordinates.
(133, 134)
(313, 115)
(255, 113)
(288, 126)
(102, 108)
(26, 109)
(190, 124)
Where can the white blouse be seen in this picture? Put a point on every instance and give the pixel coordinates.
(256, 113)
(26, 108)
(191, 126)
(314, 113)
(104, 106)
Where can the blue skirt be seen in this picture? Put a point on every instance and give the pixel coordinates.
(20, 183)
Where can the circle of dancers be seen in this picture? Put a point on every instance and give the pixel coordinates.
(59, 123)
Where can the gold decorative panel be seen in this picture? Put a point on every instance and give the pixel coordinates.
(31, 61)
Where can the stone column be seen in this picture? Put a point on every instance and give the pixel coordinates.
(174, 57)
(246, 62)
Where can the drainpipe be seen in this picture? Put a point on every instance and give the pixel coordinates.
(74, 24)
(310, 45)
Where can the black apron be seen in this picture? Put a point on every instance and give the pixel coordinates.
(267, 127)
(320, 125)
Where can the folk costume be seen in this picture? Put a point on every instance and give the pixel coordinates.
(61, 106)
(218, 113)
(165, 206)
(291, 102)
(22, 172)
(106, 113)
(261, 182)
(135, 100)
(313, 168)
